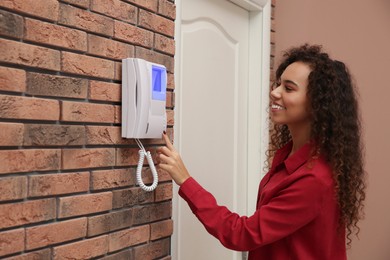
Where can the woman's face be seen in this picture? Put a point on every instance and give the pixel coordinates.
(289, 103)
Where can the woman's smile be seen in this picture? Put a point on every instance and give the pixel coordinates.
(276, 107)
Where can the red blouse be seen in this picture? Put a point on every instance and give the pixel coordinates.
(297, 215)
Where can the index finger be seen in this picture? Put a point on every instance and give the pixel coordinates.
(168, 142)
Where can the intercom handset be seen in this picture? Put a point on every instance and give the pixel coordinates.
(143, 107)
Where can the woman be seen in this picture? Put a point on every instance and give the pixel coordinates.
(312, 197)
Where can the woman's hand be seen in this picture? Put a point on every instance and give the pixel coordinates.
(171, 162)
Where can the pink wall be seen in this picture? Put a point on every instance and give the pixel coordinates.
(358, 33)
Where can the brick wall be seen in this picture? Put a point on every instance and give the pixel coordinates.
(67, 178)
(273, 7)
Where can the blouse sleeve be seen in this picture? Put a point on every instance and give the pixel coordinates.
(290, 209)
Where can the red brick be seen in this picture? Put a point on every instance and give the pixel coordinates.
(170, 99)
(171, 81)
(105, 91)
(156, 57)
(44, 254)
(28, 108)
(148, 4)
(128, 237)
(100, 135)
(152, 212)
(54, 135)
(167, 8)
(29, 55)
(109, 222)
(85, 20)
(103, 135)
(132, 34)
(11, 24)
(156, 23)
(85, 249)
(55, 35)
(87, 66)
(58, 86)
(13, 188)
(164, 44)
(118, 70)
(12, 79)
(161, 211)
(88, 158)
(116, 9)
(154, 250)
(17, 214)
(147, 175)
(161, 229)
(163, 192)
(121, 255)
(54, 233)
(115, 178)
(47, 9)
(130, 197)
(56, 184)
(170, 134)
(163, 175)
(118, 114)
(29, 160)
(170, 118)
(81, 3)
(11, 241)
(86, 112)
(84, 204)
(109, 48)
(127, 156)
(11, 134)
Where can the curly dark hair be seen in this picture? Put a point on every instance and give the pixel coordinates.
(335, 127)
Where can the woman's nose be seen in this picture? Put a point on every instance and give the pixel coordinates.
(275, 93)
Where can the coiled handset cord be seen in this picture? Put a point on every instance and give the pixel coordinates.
(142, 153)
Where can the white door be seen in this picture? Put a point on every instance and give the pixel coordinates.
(213, 117)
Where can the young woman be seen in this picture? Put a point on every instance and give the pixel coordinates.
(312, 197)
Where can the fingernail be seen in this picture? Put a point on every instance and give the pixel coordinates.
(165, 132)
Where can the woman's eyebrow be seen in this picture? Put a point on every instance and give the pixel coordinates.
(291, 82)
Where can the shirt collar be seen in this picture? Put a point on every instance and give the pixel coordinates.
(293, 162)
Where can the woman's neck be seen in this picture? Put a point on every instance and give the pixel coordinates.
(300, 136)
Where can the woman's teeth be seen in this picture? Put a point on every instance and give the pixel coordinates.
(274, 106)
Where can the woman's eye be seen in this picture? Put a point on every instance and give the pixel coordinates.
(275, 85)
(287, 88)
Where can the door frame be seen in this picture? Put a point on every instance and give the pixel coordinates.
(258, 101)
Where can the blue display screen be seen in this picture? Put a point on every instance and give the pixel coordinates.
(159, 83)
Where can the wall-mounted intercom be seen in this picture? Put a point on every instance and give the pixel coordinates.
(144, 87)
(143, 99)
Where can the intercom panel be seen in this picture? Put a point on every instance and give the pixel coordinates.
(144, 87)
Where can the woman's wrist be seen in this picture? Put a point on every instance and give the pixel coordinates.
(182, 180)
